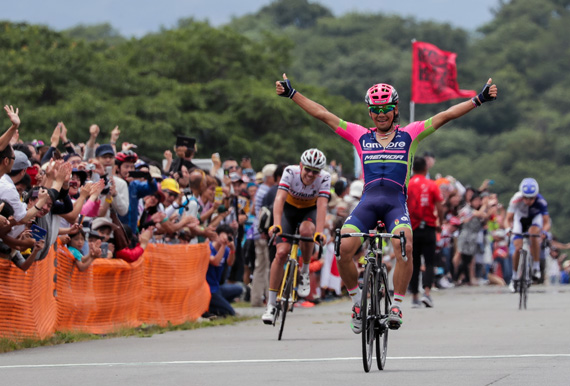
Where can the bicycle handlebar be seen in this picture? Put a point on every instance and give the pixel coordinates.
(401, 237)
(524, 235)
(291, 237)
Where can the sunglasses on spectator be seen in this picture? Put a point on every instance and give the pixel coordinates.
(381, 109)
(231, 167)
(311, 170)
(172, 194)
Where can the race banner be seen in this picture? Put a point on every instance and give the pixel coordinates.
(434, 75)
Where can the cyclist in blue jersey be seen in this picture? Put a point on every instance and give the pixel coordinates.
(386, 154)
(527, 212)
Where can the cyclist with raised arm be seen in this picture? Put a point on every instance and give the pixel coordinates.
(527, 212)
(302, 198)
(386, 154)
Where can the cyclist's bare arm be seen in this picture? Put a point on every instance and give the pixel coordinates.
(546, 222)
(311, 107)
(322, 204)
(462, 108)
(509, 219)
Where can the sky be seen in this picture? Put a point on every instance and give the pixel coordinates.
(139, 17)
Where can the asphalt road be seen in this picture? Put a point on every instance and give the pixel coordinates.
(473, 336)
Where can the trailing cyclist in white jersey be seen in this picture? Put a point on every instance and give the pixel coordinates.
(302, 198)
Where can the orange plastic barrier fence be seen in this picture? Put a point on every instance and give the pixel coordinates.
(101, 299)
(167, 284)
(175, 287)
(27, 304)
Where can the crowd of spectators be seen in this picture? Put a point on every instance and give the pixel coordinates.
(103, 200)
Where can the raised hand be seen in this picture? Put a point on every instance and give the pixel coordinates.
(42, 197)
(94, 131)
(284, 88)
(63, 173)
(488, 94)
(13, 115)
(74, 228)
(63, 134)
(86, 190)
(115, 134)
(56, 135)
(98, 188)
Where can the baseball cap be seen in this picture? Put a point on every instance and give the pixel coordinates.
(268, 170)
(104, 149)
(21, 161)
(155, 172)
(170, 184)
(101, 222)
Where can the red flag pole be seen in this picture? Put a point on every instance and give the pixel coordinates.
(412, 103)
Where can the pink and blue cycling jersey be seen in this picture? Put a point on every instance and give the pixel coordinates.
(390, 165)
(386, 173)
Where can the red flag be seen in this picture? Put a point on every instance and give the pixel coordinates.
(434, 75)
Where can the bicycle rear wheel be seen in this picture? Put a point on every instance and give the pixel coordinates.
(287, 296)
(368, 316)
(523, 283)
(383, 309)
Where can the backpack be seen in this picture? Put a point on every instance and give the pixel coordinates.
(265, 218)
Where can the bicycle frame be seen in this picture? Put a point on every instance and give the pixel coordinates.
(293, 255)
(524, 267)
(375, 294)
(287, 294)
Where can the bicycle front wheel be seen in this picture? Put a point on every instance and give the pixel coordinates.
(287, 296)
(383, 309)
(523, 283)
(368, 316)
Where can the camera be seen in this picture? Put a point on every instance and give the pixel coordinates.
(105, 191)
(230, 239)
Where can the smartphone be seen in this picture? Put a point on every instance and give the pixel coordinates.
(38, 233)
(109, 170)
(138, 174)
(104, 249)
(80, 219)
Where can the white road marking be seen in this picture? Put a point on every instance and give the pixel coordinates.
(242, 361)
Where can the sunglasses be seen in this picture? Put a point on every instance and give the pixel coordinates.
(311, 170)
(381, 109)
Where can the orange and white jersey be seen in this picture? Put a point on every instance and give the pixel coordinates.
(301, 195)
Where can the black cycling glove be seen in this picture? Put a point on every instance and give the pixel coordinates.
(484, 96)
(289, 90)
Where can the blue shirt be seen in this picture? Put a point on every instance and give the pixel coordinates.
(137, 190)
(214, 274)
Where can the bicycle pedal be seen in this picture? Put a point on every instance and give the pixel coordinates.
(394, 325)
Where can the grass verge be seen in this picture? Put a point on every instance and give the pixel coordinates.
(143, 331)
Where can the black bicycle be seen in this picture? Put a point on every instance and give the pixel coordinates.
(525, 259)
(375, 302)
(287, 295)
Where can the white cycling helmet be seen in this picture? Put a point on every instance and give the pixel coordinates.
(314, 158)
(529, 187)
